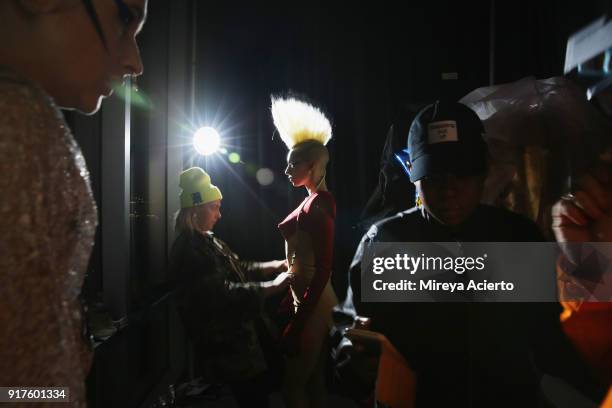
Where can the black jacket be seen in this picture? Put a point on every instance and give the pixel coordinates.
(465, 354)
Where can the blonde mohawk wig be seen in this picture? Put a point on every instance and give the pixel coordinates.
(298, 121)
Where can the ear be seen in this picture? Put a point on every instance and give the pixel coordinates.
(34, 7)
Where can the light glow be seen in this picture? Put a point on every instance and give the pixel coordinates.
(234, 157)
(264, 176)
(206, 141)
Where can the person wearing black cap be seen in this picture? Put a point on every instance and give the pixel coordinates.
(464, 354)
(447, 162)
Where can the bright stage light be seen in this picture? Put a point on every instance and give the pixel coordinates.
(206, 141)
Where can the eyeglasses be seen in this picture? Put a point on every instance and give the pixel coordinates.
(125, 16)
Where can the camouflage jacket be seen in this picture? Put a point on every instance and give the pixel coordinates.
(218, 302)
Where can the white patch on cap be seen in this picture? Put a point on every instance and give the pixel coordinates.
(443, 131)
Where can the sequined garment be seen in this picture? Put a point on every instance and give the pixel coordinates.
(47, 222)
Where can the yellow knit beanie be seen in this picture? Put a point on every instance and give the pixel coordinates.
(197, 189)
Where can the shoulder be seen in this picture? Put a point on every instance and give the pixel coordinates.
(322, 203)
(503, 215)
(181, 244)
(30, 123)
(21, 100)
(30, 126)
(192, 251)
(193, 242)
(394, 227)
(515, 226)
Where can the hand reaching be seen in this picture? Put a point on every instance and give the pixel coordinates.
(279, 284)
(273, 268)
(586, 215)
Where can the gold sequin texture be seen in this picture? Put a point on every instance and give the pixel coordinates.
(47, 222)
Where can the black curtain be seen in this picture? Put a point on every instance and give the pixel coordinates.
(367, 67)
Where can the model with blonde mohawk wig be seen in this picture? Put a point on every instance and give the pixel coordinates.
(309, 239)
(298, 121)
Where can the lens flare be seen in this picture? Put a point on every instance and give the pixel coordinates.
(206, 141)
(137, 97)
(234, 157)
(264, 176)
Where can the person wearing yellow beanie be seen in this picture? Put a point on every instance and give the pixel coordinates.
(197, 188)
(200, 202)
(219, 296)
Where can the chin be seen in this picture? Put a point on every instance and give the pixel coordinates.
(453, 220)
(446, 219)
(89, 108)
(450, 223)
(86, 104)
(90, 104)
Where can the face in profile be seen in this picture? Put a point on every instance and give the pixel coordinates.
(207, 215)
(298, 170)
(450, 198)
(84, 70)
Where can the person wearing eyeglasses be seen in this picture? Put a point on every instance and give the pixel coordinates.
(54, 54)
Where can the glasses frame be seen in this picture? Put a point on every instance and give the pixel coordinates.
(125, 14)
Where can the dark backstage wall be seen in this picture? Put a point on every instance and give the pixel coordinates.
(130, 147)
(368, 67)
(217, 64)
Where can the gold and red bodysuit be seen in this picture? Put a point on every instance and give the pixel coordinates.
(309, 239)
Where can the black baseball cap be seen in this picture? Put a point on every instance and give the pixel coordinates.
(446, 137)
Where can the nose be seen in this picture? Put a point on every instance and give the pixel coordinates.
(287, 170)
(131, 60)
